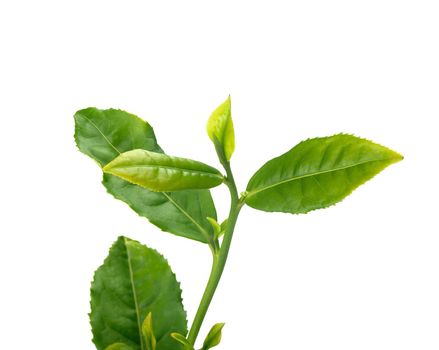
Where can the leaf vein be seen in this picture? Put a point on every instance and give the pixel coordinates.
(99, 130)
(172, 168)
(136, 304)
(252, 193)
(199, 227)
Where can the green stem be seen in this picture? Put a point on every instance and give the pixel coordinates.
(219, 259)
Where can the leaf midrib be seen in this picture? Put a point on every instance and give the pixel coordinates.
(133, 288)
(170, 168)
(99, 130)
(197, 225)
(252, 193)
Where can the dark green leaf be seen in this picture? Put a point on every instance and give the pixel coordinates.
(182, 213)
(220, 128)
(133, 282)
(162, 173)
(103, 135)
(213, 337)
(317, 173)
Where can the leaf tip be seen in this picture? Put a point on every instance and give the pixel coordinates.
(399, 157)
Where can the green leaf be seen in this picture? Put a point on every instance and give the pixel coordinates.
(148, 333)
(162, 173)
(182, 340)
(119, 346)
(220, 128)
(216, 227)
(103, 135)
(213, 337)
(218, 230)
(182, 213)
(133, 282)
(317, 173)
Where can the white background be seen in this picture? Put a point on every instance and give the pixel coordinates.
(361, 275)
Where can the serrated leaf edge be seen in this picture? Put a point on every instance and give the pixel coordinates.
(172, 272)
(398, 157)
(175, 204)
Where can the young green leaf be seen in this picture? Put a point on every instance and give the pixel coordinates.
(213, 337)
(218, 230)
(182, 340)
(162, 173)
(317, 173)
(133, 282)
(119, 346)
(220, 128)
(216, 226)
(148, 333)
(103, 135)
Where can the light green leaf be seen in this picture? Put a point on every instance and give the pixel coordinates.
(148, 333)
(216, 226)
(220, 128)
(119, 346)
(182, 340)
(317, 173)
(103, 135)
(133, 282)
(162, 173)
(218, 230)
(213, 337)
